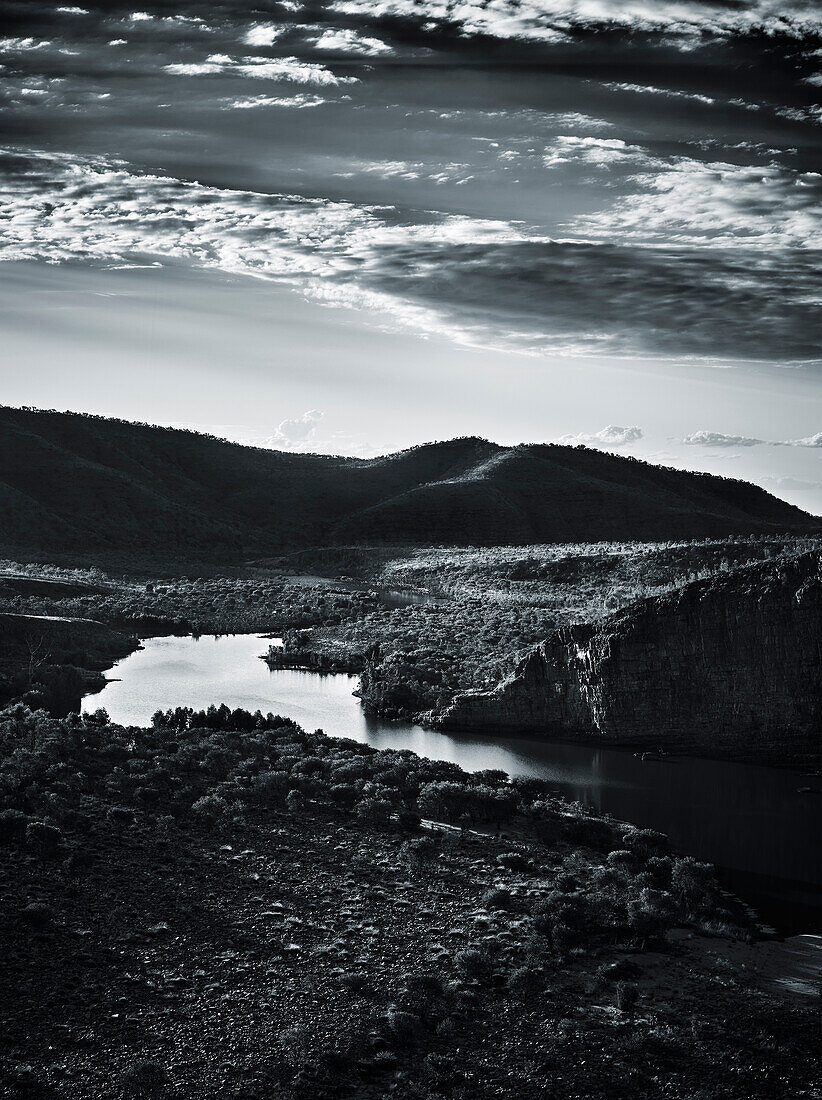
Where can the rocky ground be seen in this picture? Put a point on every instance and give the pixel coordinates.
(295, 948)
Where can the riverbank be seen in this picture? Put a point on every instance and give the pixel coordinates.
(255, 911)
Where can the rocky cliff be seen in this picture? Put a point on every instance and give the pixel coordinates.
(730, 666)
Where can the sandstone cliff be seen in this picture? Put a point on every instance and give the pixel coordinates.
(730, 666)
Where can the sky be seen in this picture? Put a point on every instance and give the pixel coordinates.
(352, 226)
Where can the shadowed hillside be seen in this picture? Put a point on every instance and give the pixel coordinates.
(92, 487)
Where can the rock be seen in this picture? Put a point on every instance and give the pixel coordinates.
(728, 666)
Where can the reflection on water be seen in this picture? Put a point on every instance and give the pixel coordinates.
(748, 819)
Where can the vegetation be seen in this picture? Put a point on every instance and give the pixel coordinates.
(109, 491)
(227, 882)
(470, 613)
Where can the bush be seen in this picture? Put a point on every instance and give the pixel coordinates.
(497, 898)
(409, 821)
(621, 970)
(145, 1081)
(513, 861)
(43, 839)
(354, 981)
(588, 832)
(421, 850)
(376, 811)
(645, 843)
(13, 824)
(627, 996)
(693, 884)
(212, 808)
(475, 964)
(527, 979)
(38, 915)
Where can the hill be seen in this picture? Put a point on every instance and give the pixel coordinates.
(86, 486)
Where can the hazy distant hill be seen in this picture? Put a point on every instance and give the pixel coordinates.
(87, 486)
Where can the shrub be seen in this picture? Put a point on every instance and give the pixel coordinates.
(409, 821)
(475, 964)
(376, 811)
(621, 970)
(211, 807)
(13, 825)
(38, 915)
(497, 898)
(588, 832)
(270, 788)
(651, 914)
(526, 979)
(513, 861)
(423, 985)
(621, 858)
(627, 996)
(295, 802)
(145, 1081)
(645, 843)
(404, 1027)
(421, 850)
(43, 839)
(354, 981)
(693, 885)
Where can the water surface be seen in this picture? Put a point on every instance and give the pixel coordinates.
(751, 821)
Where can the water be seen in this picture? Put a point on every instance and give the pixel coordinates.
(750, 821)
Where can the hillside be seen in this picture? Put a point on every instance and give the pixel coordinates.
(727, 666)
(79, 485)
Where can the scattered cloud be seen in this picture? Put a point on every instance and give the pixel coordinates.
(791, 483)
(289, 69)
(297, 431)
(808, 441)
(262, 34)
(611, 436)
(297, 102)
(345, 40)
(719, 439)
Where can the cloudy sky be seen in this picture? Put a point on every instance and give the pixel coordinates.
(351, 225)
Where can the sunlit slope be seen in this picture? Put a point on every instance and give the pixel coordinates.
(78, 484)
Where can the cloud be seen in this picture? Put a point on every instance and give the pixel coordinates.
(345, 40)
(791, 483)
(297, 102)
(262, 34)
(679, 23)
(719, 439)
(480, 282)
(289, 69)
(295, 432)
(612, 436)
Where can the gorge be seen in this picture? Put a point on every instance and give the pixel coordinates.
(726, 667)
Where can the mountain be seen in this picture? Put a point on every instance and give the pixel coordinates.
(85, 486)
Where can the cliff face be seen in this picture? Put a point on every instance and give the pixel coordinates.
(724, 667)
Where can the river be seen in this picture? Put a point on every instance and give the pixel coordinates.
(750, 821)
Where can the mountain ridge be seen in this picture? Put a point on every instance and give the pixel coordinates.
(98, 487)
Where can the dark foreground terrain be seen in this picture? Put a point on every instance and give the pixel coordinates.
(227, 906)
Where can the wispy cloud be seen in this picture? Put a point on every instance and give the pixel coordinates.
(719, 439)
(289, 69)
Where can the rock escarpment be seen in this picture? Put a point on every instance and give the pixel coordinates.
(730, 666)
